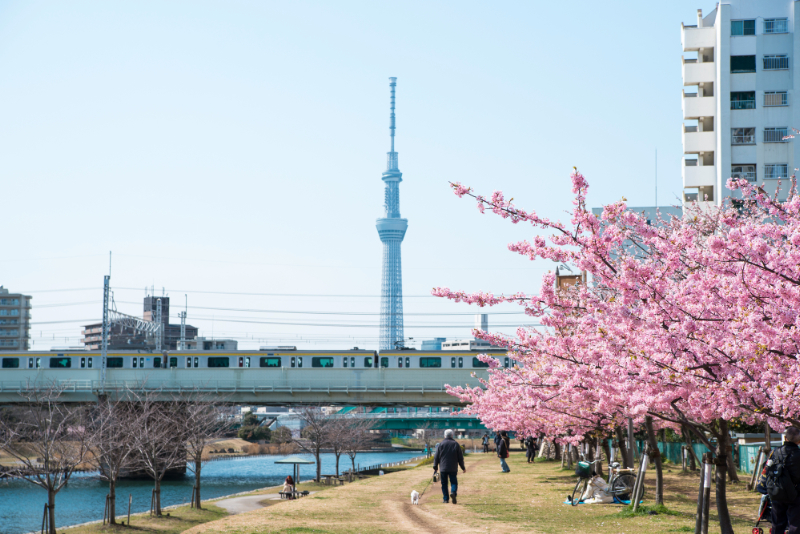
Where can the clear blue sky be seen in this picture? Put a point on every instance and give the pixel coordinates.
(237, 147)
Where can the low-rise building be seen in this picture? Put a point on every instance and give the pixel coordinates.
(15, 320)
(201, 343)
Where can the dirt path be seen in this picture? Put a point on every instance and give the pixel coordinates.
(247, 503)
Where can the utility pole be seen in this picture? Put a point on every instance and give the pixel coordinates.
(104, 346)
(160, 331)
(182, 315)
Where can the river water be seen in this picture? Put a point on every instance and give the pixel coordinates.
(22, 503)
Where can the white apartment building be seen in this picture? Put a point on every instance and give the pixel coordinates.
(738, 97)
(15, 320)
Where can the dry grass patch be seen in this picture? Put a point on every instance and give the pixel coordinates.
(180, 519)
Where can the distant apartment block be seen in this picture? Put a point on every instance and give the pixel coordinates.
(738, 97)
(15, 320)
(201, 343)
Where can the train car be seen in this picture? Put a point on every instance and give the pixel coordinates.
(440, 359)
(188, 359)
(262, 359)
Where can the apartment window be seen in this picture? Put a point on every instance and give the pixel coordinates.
(743, 63)
(776, 62)
(776, 171)
(743, 100)
(776, 25)
(775, 135)
(776, 98)
(743, 27)
(743, 136)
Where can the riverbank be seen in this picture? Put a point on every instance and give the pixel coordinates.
(528, 499)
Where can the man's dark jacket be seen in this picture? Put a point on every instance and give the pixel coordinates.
(789, 456)
(502, 449)
(448, 456)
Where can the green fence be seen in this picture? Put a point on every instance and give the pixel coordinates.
(747, 454)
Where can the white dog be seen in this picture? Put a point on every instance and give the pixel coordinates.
(414, 497)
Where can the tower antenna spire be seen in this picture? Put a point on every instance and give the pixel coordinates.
(392, 128)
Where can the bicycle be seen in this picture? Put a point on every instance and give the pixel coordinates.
(620, 484)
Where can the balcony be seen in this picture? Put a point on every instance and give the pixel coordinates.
(696, 106)
(694, 38)
(694, 141)
(695, 73)
(694, 176)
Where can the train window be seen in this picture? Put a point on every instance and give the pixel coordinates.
(384, 362)
(408, 362)
(90, 362)
(10, 363)
(367, 361)
(141, 362)
(321, 362)
(247, 361)
(299, 361)
(272, 362)
(60, 363)
(460, 362)
(453, 362)
(135, 361)
(430, 362)
(189, 361)
(197, 362)
(352, 361)
(218, 361)
(293, 361)
(157, 361)
(506, 362)
(344, 361)
(114, 363)
(38, 363)
(173, 361)
(241, 361)
(83, 363)
(400, 362)
(30, 363)
(477, 363)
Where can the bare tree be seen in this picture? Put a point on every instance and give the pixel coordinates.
(159, 438)
(48, 438)
(425, 432)
(112, 422)
(315, 433)
(360, 438)
(203, 421)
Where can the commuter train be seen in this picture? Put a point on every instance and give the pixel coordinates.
(187, 359)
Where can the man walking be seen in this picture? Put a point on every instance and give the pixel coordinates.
(502, 451)
(786, 515)
(485, 441)
(447, 460)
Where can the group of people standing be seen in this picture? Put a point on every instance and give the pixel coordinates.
(502, 445)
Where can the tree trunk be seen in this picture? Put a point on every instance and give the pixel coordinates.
(197, 467)
(733, 476)
(606, 449)
(598, 467)
(557, 448)
(319, 467)
(337, 463)
(158, 497)
(353, 461)
(722, 453)
(51, 510)
(655, 455)
(693, 460)
(112, 504)
(767, 438)
(623, 448)
(544, 447)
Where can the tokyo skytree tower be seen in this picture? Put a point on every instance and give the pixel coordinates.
(392, 229)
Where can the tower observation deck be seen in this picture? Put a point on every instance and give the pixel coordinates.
(392, 230)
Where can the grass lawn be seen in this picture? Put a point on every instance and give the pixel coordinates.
(180, 519)
(529, 499)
